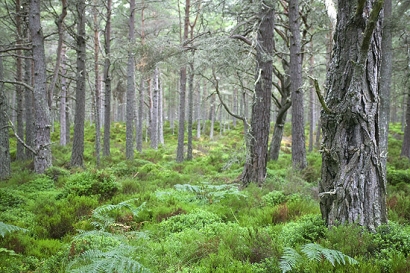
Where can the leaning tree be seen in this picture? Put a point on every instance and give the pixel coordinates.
(353, 184)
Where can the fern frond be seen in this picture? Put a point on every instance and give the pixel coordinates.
(289, 259)
(115, 260)
(317, 252)
(6, 228)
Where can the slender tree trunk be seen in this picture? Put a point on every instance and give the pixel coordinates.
(353, 185)
(42, 140)
(256, 162)
(107, 81)
(28, 102)
(161, 114)
(199, 113)
(312, 103)
(5, 167)
(155, 111)
(140, 115)
(278, 128)
(63, 100)
(190, 110)
(97, 86)
(182, 91)
(20, 155)
(130, 109)
(212, 116)
(77, 154)
(298, 123)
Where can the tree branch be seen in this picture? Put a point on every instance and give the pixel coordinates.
(19, 83)
(319, 94)
(241, 38)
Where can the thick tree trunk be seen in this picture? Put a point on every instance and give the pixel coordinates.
(353, 185)
(42, 140)
(5, 167)
(255, 165)
(385, 80)
(77, 154)
(130, 109)
(28, 102)
(107, 81)
(298, 123)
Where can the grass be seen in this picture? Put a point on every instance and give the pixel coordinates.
(152, 214)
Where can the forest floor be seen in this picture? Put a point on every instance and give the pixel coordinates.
(152, 214)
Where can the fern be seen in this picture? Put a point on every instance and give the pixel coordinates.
(115, 260)
(314, 252)
(100, 214)
(289, 259)
(6, 228)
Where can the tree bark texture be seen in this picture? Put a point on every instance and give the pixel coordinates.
(130, 108)
(97, 87)
(77, 154)
(190, 110)
(353, 186)
(5, 167)
(63, 100)
(298, 123)
(20, 154)
(107, 81)
(255, 165)
(140, 116)
(385, 80)
(28, 102)
(42, 140)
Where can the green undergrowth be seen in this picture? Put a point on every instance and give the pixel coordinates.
(152, 214)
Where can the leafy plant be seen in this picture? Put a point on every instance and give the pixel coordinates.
(291, 259)
(6, 228)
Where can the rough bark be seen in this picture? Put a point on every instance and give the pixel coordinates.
(190, 117)
(298, 123)
(107, 81)
(77, 154)
(5, 167)
(28, 102)
(182, 90)
(353, 186)
(385, 80)
(42, 141)
(255, 165)
(130, 108)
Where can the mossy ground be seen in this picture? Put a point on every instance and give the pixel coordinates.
(164, 216)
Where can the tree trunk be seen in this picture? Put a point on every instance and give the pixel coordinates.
(5, 167)
(190, 110)
(353, 186)
(42, 140)
(77, 154)
(298, 123)
(255, 165)
(20, 155)
(161, 114)
(63, 101)
(278, 128)
(97, 87)
(385, 80)
(130, 109)
(140, 117)
(28, 102)
(107, 81)
(155, 111)
(212, 117)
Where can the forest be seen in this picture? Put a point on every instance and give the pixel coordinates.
(204, 136)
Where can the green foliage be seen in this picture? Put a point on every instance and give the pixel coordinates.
(274, 198)
(291, 259)
(395, 177)
(10, 199)
(6, 228)
(88, 183)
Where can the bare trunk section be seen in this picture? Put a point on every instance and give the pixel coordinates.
(130, 109)
(63, 100)
(5, 167)
(42, 140)
(155, 111)
(298, 123)
(256, 162)
(353, 184)
(97, 87)
(140, 117)
(190, 109)
(20, 155)
(107, 81)
(28, 102)
(77, 154)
